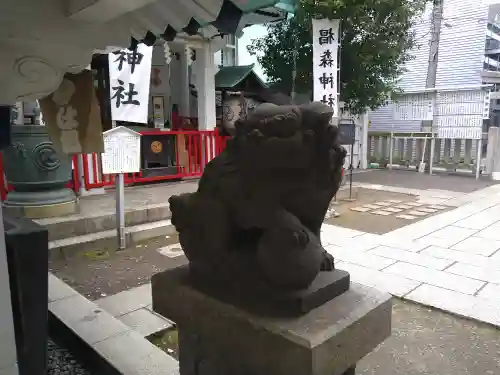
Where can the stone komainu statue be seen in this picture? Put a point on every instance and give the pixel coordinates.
(260, 204)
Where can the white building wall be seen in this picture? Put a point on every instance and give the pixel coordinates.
(460, 59)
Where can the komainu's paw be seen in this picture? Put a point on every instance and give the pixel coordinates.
(328, 263)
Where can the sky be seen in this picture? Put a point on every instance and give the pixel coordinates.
(244, 57)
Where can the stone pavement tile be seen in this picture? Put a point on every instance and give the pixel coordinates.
(404, 206)
(437, 241)
(394, 201)
(171, 251)
(414, 204)
(126, 301)
(458, 303)
(477, 245)
(442, 279)
(381, 212)
(372, 206)
(332, 233)
(478, 221)
(490, 275)
(426, 210)
(491, 233)
(490, 291)
(460, 256)
(360, 209)
(145, 321)
(383, 203)
(417, 213)
(359, 257)
(438, 207)
(406, 217)
(362, 242)
(453, 232)
(58, 289)
(411, 257)
(402, 243)
(86, 319)
(392, 209)
(395, 285)
(132, 354)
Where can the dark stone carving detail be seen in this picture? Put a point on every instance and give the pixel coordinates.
(45, 157)
(20, 148)
(256, 217)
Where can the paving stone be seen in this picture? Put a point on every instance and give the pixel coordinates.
(331, 234)
(404, 206)
(460, 256)
(85, 318)
(491, 233)
(394, 201)
(132, 354)
(406, 217)
(411, 257)
(427, 210)
(417, 213)
(458, 303)
(145, 321)
(383, 204)
(359, 257)
(453, 232)
(58, 289)
(392, 209)
(381, 212)
(372, 206)
(438, 207)
(490, 291)
(414, 204)
(438, 241)
(442, 279)
(171, 251)
(395, 285)
(360, 209)
(477, 245)
(490, 275)
(126, 301)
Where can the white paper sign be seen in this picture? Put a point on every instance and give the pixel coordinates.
(460, 113)
(122, 151)
(325, 62)
(129, 82)
(413, 107)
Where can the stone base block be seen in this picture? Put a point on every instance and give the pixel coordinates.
(217, 338)
(41, 204)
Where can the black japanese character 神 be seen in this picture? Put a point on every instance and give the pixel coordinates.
(328, 100)
(121, 93)
(132, 58)
(326, 81)
(326, 36)
(326, 60)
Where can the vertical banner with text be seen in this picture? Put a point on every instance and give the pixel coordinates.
(129, 80)
(325, 62)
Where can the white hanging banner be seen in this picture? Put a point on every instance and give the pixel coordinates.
(129, 81)
(325, 62)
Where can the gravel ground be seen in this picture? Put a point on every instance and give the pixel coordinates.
(61, 362)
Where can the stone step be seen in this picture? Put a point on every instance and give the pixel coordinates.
(70, 246)
(92, 224)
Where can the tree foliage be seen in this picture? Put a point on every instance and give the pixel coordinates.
(376, 39)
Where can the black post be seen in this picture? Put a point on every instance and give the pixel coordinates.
(351, 169)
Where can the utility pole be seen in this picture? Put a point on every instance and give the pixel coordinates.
(430, 82)
(435, 31)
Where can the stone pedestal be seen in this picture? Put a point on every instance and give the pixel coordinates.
(38, 175)
(216, 338)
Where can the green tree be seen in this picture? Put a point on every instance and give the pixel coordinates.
(376, 39)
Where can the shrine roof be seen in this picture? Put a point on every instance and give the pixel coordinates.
(228, 77)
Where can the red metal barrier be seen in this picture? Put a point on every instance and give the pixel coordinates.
(193, 149)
